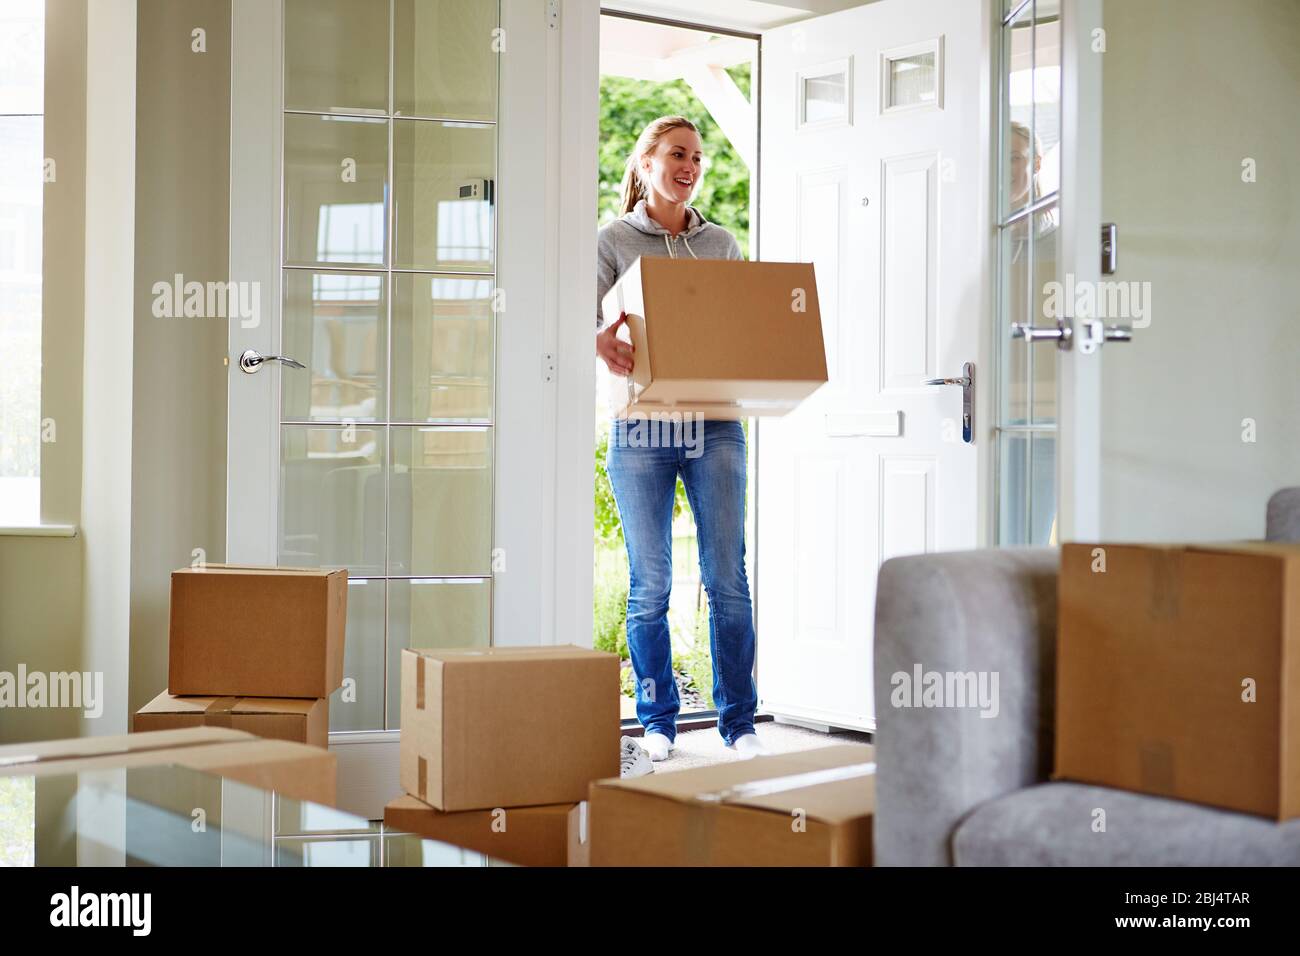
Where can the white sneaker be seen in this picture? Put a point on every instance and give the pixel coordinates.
(633, 761)
(748, 745)
(658, 745)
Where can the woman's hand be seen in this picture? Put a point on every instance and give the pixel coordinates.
(616, 353)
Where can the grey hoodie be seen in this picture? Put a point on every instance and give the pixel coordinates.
(619, 243)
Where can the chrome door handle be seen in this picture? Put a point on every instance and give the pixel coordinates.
(967, 382)
(1062, 335)
(252, 360)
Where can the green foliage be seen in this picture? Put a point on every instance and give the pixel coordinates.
(609, 605)
(697, 663)
(628, 105)
(17, 821)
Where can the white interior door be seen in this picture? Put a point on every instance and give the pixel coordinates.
(875, 168)
(392, 167)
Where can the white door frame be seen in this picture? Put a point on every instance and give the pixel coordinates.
(544, 438)
(1078, 468)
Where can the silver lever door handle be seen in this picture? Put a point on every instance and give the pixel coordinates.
(1062, 334)
(967, 382)
(252, 360)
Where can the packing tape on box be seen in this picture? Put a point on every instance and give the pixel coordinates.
(794, 781)
(700, 825)
(219, 713)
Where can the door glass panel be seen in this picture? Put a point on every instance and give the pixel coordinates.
(1015, 299)
(1013, 488)
(335, 181)
(445, 59)
(1042, 488)
(386, 435)
(433, 612)
(442, 348)
(332, 498)
(442, 195)
(912, 81)
(440, 501)
(1017, 112)
(824, 97)
(336, 55)
(336, 324)
(363, 659)
(1047, 96)
(1048, 302)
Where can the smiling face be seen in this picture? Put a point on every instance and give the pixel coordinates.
(672, 169)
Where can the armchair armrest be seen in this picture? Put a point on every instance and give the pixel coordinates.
(990, 614)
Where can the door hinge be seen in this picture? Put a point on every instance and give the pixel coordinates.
(553, 14)
(548, 367)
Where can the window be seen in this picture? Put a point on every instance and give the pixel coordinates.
(22, 175)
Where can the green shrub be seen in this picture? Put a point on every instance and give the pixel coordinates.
(697, 663)
(609, 601)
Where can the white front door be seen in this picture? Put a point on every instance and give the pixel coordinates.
(874, 168)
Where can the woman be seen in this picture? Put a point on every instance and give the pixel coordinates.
(661, 176)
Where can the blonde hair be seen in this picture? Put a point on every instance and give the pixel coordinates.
(634, 187)
(1035, 153)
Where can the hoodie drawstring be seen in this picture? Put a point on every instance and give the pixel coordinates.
(685, 241)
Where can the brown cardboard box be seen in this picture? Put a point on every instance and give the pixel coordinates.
(530, 836)
(811, 808)
(300, 719)
(1157, 658)
(292, 770)
(725, 338)
(507, 726)
(247, 631)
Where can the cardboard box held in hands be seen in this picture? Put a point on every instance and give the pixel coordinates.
(1178, 672)
(722, 338)
(252, 631)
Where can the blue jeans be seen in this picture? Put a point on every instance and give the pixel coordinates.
(644, 460)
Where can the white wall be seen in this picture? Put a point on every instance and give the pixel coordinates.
(1193, 87)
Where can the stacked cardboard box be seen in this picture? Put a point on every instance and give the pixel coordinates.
(499, 746)
(1178, 672)
(253, 648)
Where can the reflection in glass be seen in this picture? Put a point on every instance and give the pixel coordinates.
(1027, 489)
(443, 358)
(1046, 308)
(335, 55)
(335, 181)
(442, 195)
(334, 851)
(445, 59)
(405, 849)
(332, 498)
(1019, 172)
(440, 501)
(1042, 488)
(433, 612)
(1046, 97)
(335, 324)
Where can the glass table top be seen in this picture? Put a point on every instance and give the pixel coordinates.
(175, 816)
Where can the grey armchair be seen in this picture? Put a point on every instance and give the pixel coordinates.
(957, 788)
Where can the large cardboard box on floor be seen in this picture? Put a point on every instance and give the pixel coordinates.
(251, 631)
(292, 770)
(1178, 672)
(722, 337)
(812, 808)
(300, 719)
(507, 726)
(551, 835)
